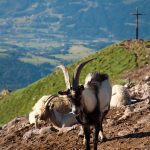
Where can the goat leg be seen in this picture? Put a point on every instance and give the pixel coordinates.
(66, 129)
(36, 121)
(81, 132)
(87, 137)
(101, 137)
(96, 133)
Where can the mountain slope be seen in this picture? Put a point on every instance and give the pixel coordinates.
(116, 60)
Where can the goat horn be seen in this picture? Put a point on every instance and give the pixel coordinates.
(77, 71)
(49, 100)
(66, 76)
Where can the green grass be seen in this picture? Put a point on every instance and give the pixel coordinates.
(114, 60)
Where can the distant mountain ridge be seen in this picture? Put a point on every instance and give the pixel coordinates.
(37, 35)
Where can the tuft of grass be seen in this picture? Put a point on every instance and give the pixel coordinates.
(114, 60)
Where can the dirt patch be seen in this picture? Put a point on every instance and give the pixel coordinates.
(138, 74)
(130, 132)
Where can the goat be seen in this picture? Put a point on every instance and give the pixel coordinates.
(43, 110)
(91, 102)
(61, 121)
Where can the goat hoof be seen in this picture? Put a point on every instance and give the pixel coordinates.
(84, 141)
(104, 139)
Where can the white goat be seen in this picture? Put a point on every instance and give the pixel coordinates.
(91, 102)
(120, 96)
(65, 121)
(44, 110)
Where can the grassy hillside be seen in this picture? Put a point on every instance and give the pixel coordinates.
(115, 60)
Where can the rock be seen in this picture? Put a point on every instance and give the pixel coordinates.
(33, 132)
(120, 96)
(30, 133)
(144, 120)
(123, 133)
(141, 91)
(128, 111)
(147, 78)
(5, 92)
(45, 130)
(23, 120)
(147, 102)
(111, 122)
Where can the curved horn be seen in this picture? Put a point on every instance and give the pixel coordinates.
(77, 71)
(66, 76)
(49, 100)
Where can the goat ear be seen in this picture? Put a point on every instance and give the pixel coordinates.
(63, 92)
(60, 92)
